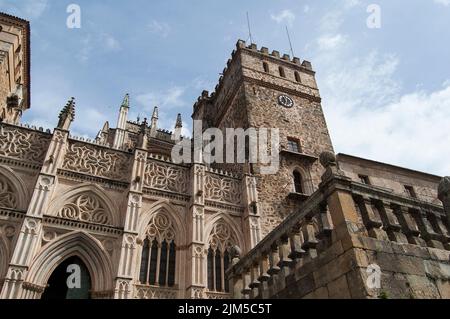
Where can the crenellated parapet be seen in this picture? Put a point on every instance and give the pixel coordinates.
(252, 65)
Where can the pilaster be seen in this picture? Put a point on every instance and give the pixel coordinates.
(197, 276)
(31, 230)
(251, 218)
(130, 241)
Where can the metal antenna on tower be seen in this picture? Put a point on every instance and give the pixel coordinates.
(290, 43)
(249, 29)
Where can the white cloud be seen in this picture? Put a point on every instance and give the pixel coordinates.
(306, 8)
(445, 3)
(368, 111)
(331, 42)
(110, 42)
(285, 16)
(160, 28)
(167, 99)
(97, 42)
(28, 9)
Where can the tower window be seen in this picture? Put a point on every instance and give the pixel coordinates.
(364, 179)
(293, 145)
(297, 76)
(298, 182)
(266, 67)
(281, 71)
(409, 190)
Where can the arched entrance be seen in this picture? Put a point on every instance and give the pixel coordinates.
(70, 280)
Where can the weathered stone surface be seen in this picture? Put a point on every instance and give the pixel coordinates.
(422, 288)
(444, 288)
(338, 289)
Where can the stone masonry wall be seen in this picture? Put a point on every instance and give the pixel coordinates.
(305, 122)
(4, 84)
(407, 272)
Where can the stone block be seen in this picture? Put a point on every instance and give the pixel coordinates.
(422, 287)
(443, 288)
(439, 254)
(399, 263)
(411, 250)
(338, 289)
(437, 270)
(356, 280)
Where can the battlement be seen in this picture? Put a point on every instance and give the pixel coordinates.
(275, 56)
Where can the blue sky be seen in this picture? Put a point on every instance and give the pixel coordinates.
(386, 91)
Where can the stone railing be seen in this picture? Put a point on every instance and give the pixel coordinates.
(328, 227)
(155, 292)
(387, 216)
(217, 295)
(300, 238)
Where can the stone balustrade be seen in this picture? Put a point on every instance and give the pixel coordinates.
(286, 263)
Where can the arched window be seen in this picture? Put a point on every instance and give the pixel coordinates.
(158, 253)
(298, 182)
(220, 243)
(281, 71)
(297, 76)
(266, 67)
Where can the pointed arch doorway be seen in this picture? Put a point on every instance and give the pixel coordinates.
(70, 280)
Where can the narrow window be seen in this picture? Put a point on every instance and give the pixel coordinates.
(171, 275)
(281, 70)
(211, 269)
(219, 270)
(410, 191)
(293, 145)
(144, 262)
(226, 262)
(298, 182)
(297, 76)
(153, 261)
(163, 264)
(364, 179)
(266, 67)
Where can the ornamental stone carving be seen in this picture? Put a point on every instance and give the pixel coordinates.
(87, 208)
(165, 177)
(161, 228)
(223, 189)
(88, 159)
(444, 188)
(327, 159)
(222, 237)
(155, 293)
(8, 197)
(23, 144)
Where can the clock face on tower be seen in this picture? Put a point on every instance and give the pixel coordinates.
(285, 101)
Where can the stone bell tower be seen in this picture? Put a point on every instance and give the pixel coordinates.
(265, 90)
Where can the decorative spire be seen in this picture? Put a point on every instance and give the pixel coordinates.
(142, 138)
(154, 122)
(179, 122)
(155, 113)
(67, 115)
(178, 126)
(105, 128)
(126, 100)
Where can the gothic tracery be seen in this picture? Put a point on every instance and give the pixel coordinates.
(87, 208)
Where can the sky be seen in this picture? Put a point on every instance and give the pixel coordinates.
(385, 89)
